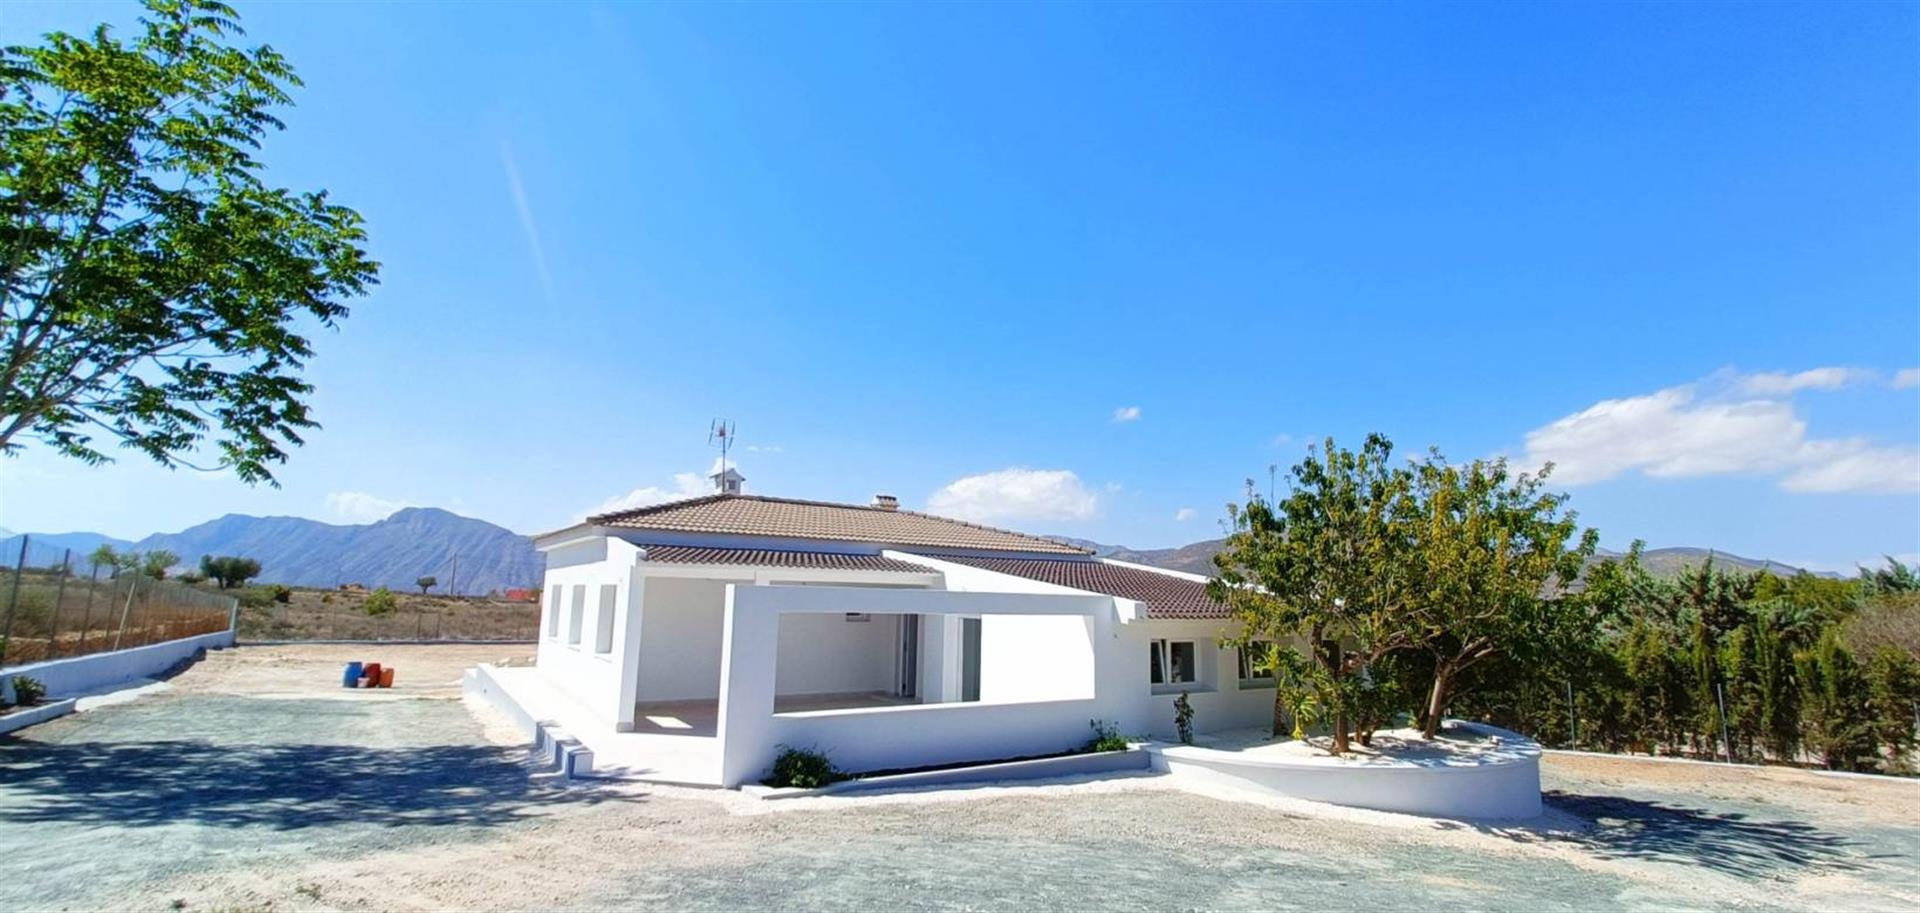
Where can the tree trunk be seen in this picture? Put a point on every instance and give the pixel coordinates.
(1340, 731)
(1437, 700)
(1281, 726)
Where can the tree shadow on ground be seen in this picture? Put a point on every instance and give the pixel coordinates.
(280, 786)
(1725, 841)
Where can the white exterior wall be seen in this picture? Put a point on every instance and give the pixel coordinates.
(909, 735)
(596, 680)
(827, 654)
(1219, 701)
(1035, 658)
(680, 649)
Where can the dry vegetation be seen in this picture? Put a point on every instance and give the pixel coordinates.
(311, 614)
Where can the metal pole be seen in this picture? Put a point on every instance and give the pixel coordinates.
(59, 593)
(19, 568)
(86, 617)
(1720, 695)
(1573, 719)
(133, 582)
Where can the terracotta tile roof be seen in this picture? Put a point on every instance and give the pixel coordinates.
(764, 557)
(1166, 595)
(756, 515)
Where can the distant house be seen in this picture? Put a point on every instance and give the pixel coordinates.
(690, 640)
(520, 594)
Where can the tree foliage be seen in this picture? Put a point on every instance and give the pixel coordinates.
(426, 583)
(153, 286)
(229, 570)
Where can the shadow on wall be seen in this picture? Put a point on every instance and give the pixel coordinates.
(283, 787)
(1728, 842)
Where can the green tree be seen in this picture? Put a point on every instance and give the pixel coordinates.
(106, 557)
(1491, 553)
(1320, 573)
(426, 583)
(1778, 691)
(380, 602)
(152, 284)
(229, 570)
(1840, 722)
(156, 562)
(1893, 693)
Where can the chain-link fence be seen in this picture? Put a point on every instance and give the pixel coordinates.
(52, 612)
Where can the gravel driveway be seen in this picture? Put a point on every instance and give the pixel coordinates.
(254, 784)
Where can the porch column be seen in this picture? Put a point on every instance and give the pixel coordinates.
(632, 619)
(749, 650)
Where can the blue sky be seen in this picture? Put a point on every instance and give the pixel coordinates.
(937, 251)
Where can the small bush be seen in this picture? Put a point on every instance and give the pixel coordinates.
(1106, 737)
(256, 597)
(28, 691)
(803, 768)
(282, 593)
(380, 602)
(1183, 718)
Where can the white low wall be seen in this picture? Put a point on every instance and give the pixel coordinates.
(99, 671)
(1506, 787)
(921, 735)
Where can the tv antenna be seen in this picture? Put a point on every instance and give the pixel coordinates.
(720, 434)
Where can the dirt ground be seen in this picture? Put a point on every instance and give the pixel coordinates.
(255, 783)
(316, 614)
(314, 670)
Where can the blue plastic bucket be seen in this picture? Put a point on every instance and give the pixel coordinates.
(351, 679)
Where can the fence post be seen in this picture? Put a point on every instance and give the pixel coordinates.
(133, 583)
(59, 593)
(233, 618)
(86, 617)
(19, 568)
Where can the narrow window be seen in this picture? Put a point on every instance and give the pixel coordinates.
(1181, 656)
(1157, 661)
(577, 617)
(553, 612)
(1251, 657)
(603, 625)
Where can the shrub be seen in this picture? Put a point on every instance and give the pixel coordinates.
(803, 768)
(1106, 737)
(1183, 718)
(282, 593)
(380, 602)
(27, 691)
(256, 597)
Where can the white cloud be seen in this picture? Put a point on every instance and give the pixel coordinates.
(1127, 414)
(1184, 514)
(1280, 440)
(360, 507)
(1016, 493)
(1679, 433)
(1777, 383)
(764, 448)
(1906, 377)
(685, 485)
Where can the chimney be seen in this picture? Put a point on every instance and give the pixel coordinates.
(886, 502)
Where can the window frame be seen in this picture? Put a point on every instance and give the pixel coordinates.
(577, 615)
(603, 618)
(554, 601)
(1250, 677)
(1160, 663)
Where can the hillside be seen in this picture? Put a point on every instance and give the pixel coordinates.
(412, 543)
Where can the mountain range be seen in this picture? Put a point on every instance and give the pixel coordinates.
(468, 556)
(471, 556)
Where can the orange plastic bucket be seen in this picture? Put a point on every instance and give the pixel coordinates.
(386, 677)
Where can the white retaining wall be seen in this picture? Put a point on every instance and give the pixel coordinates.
(99, 671)
(1506, 786)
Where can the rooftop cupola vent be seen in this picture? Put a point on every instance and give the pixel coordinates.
(886, 502)
(728, 481)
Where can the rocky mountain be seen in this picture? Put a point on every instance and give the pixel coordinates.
(471, 556)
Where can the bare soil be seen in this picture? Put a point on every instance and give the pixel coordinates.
(313, 670)
(313, 614)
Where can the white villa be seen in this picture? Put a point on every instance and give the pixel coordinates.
(688, 641)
